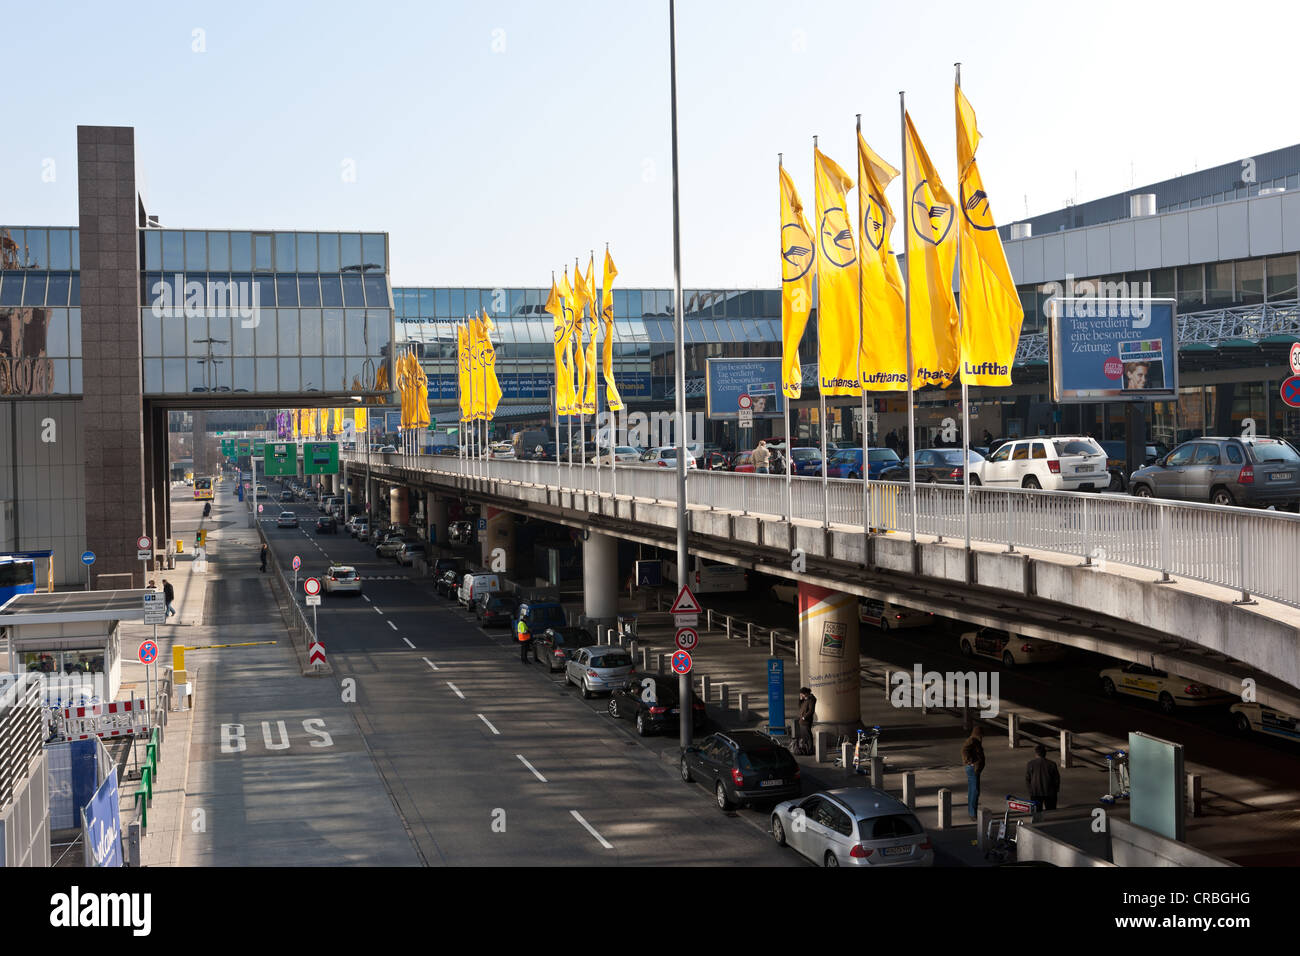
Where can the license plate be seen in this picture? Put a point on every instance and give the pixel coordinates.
(772, 783)
(1280, 476)
(675, 711)
(897, 850)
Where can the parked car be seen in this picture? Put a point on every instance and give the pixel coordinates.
(495, 609)
(461, 532)
(447, 583)
(742, 462)
(1010, 649)
(716, 461)
(355, 523)
(598, 669)
(1061, 463)
(653, 704)
(539, 615)
(1168, 690)
(1250, 472)
(662, 457)
(408, 552)
(326, 525)
(390, 546)
(856, 826)
(847, 462)
(442, 565)
(935, 466)
(1265, 720)
(807, 462)
(287, 519)
(555, 645)
(742, 766)
(286, 495)
(343, 578)
(472, 584)
(620, 454)
(890, 617)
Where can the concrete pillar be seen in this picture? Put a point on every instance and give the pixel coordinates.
(436, 509)
(828, 657)
(600, 577)
(497, 541)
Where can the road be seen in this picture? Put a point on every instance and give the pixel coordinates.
(492, 762)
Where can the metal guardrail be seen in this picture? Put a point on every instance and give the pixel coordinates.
(291, 613)
(20, 735)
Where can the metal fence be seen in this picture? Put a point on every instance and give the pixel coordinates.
(1255, 552)
(20, 736)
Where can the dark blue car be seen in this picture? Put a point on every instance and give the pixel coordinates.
(807, 462)
(847, 462)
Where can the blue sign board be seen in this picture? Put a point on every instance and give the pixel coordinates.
(649, 574)
(1114, 350)
(88, 558)
(102, 825)
(776, 695)
(728, 379)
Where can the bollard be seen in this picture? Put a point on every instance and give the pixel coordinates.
(645, 658)
(724, 696)
(909, 790)
(1013, 729)
(982, 828)
(749, 634)
(728, 619)
(888, 674)
(1066, 762)
(706, 686)
(659, 606)
(660, 667)
(133, 844)
(1194, 794)
(742, 705)
(772, 643)
(944, 821)
(820, 744)
(846, 757)
(708, 619)
(796, 650)
(878, 772)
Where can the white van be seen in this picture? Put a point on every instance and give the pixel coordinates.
(472, 585)
(710, 577)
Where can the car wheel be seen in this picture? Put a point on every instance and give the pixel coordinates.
(967, 650)
(1008, 660)
(1166, 702)
(582, 685)
(1107, 687)
(884, 624)
(1222, 497)
(778, 831)
(974, 481)
(720, 797)
(831, 859)
(613, 708)
(641, 728)
(1031, 483)
(1142, 491)
(1242, 723)
(1116, 483)
(686, 772)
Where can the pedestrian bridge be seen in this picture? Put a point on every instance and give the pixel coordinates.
(1208, 593)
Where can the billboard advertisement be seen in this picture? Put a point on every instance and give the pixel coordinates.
(102, 825)
(1113, 350)
(728, 379)
(320, 458)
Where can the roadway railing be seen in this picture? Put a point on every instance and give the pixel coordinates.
(1255, 552)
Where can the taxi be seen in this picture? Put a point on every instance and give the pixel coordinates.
(1010, 649)
(1168, 690)
(1265, 720)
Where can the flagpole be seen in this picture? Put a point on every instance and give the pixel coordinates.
(613, 424)
(907, 309)
(821, 391)
(961, 341)
(862, 381)
(785, 400)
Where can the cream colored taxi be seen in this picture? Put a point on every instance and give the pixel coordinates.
(1168, 690)
(1265, 720)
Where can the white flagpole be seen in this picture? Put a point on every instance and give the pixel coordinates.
(785, 405)
(821, 391)
(965, 395)
(907, 305)
(862, 380)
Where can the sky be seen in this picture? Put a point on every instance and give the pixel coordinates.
(498, 141)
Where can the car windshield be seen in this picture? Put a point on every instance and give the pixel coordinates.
(846, 455)
(286, 514)
(890, 827)
(761, 759)
(344, 573)
(612, 659)
(1076, 446)
(803, 454)
(882, 454)
(1274, 451)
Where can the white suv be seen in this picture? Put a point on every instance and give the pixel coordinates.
(1050, 462)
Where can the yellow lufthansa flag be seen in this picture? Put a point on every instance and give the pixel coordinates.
(932, 253)
(589, 392)
(991, 313)
(338, 421)
(612, 397)
(798, 266)
(562, 314)
(577, 352)
(462, 360)
(359, 421)
(491, 385)
(837, 280)
(883, 357)
(402, 389)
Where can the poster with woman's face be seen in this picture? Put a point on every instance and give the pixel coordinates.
(1143, 365)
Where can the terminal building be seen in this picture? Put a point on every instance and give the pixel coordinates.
(111, 324)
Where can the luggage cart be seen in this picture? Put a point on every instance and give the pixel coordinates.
(1116, 777)
(1001, 837)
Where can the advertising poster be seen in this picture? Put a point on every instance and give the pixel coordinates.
(1113, 350)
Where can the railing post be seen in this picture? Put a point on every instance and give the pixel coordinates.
(1011, 544)
(1087, 537)
(1241, 565)
(1164, 545)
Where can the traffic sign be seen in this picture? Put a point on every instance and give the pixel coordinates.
(316, 653)
(685, 620)
(297, 562)
(313, 600)
(687, 638)
(143, 555)
(88, 558)
(745, 418)
(143, 543)
(155, 608)
(148, 652)
(745, 402)
(311, 586)
(1291, 391)
(685, 603)
(1295, 358)
(682, 662)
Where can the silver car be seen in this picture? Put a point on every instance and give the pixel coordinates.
(853, 827)
(598, 669)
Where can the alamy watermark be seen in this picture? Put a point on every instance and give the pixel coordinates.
(1095, 298)
(932, 689)
(241, 299)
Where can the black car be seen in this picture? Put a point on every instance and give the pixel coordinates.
(741, 767)
(652, 702)
(442, 565)
(933, 465)
(553, 646)
(493, 607)
(327, 525)
(447, 583)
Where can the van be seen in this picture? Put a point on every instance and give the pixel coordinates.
(525, 443)
(539, 615)
(472, 585)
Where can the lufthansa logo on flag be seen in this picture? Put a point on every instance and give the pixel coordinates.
(873, 223)
(837, 238)
(796, 252)
(930, 222)
(976, 210)
(464, 360)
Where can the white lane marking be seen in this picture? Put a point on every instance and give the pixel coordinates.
(407, 639)
(592, 830)
(489, 723)
(391, 624)
(367, 597)
(456, 689)
(429, 662)
(377, 611)
(531, 767)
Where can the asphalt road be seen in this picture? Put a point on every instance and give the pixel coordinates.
(492, 762)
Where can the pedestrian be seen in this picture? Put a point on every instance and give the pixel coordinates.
(762, 456)
(169, 595)
(525, 639)
(891, 440)
(972, 755)
(807, 714)
(988, 438)
(1042, 779)
(265, 552)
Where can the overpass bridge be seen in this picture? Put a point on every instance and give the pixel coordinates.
(1212, 594)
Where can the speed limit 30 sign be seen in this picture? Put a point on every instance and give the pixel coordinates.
(687, 638)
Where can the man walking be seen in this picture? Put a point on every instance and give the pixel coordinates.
(762, 455)
(1042, 779)
(169, 595)
(972, 755)
(265, 552)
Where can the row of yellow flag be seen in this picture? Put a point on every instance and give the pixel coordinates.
(573, 306)
(316, 422)
(861, 301)
(476, 360)
(413, 385)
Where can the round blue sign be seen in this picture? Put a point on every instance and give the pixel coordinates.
(88, 557)
(148, 652)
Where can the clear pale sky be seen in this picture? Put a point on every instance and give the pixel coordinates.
(496, 141)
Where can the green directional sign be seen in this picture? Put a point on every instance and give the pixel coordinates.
(259, 447)
(228, 447)
(281, 458)
(320, 458)
(244, 446)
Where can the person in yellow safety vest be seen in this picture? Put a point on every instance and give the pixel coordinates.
(525, 639)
